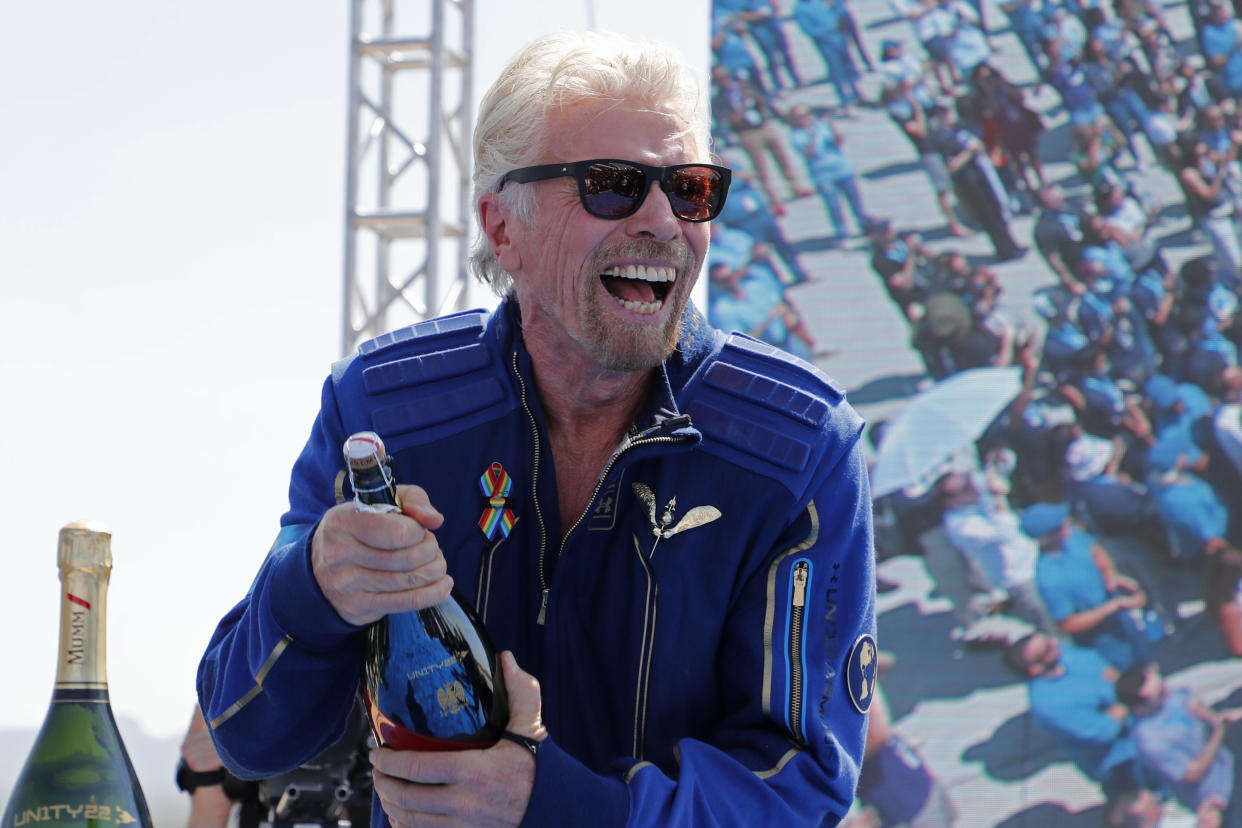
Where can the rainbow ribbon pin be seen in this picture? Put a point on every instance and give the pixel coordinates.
(496, 485)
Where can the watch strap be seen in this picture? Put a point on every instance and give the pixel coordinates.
(522, 741)
(191, 780)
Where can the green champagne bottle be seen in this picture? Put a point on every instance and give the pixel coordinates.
(78, 774)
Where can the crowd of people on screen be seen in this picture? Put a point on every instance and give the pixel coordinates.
(1129, 421)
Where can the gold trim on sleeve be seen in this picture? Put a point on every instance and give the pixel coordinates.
(266, 668)
(634, 770)
(789, 756)
(780, 764)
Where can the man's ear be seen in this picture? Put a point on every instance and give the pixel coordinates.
(494, 221)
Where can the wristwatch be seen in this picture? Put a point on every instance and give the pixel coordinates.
(191, 780)
(522, 741)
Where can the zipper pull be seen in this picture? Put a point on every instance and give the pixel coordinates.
(673, 423)
(543, 610)
(802, 571)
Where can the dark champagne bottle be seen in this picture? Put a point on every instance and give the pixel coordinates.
(433, 681)
(78, 773)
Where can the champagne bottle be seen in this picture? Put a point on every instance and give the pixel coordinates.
(78, 773)
(433, 681)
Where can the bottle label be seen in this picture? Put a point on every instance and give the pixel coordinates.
(420, 673)
(80, 694)
(101, 814)
(75, 641)
(82, 612)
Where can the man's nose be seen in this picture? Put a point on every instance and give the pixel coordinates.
(654, 218)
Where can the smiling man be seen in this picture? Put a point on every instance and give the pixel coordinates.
(687, 580)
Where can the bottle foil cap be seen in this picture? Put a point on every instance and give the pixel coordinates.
(364, 450)
(85, 544)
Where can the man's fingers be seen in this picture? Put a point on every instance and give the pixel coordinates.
(408, 804)
(438, 788)
(525, 701)
(377, 531)
(416, 504)
(379, 582)
(370, 565)
(469, 787)
(375, 605)
(428, 768)
(400, 570)
(392, 799)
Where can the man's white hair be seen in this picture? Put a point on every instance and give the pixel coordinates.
(558, 72)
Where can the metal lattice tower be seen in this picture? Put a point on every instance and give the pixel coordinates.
(407, 180)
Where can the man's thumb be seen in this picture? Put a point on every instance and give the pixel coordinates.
(525, 702)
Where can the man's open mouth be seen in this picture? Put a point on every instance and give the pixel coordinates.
(639, 288)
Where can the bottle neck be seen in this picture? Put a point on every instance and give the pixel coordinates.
(80, 671)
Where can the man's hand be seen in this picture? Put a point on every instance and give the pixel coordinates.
(370, 565)
(1210, 813)
(470, 787)
(1115, 580)
(209, 806)
(197, 749)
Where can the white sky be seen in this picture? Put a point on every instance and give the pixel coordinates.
(170, 251)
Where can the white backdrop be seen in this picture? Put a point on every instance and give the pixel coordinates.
(170, 244)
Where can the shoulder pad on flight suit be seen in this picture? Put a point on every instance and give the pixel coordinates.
(770, 412)
(424, 382)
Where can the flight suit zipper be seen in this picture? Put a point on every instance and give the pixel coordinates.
(536, 451)
(643, 679)
(629, 443)
(797, 652)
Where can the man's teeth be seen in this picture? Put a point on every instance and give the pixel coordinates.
(647, 274)
(639, 307)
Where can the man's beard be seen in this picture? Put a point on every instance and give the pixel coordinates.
(634, 346)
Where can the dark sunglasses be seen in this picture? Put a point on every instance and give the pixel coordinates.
(610, 188)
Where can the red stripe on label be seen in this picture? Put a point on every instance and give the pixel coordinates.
(75, 599)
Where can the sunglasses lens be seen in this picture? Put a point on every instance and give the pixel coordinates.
(613, 190)
(696, 193)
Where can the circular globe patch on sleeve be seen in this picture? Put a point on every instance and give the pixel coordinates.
(860, 670)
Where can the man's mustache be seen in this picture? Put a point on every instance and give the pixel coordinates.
(673, 251)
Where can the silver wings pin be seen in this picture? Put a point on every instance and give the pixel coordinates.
(698, 516)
